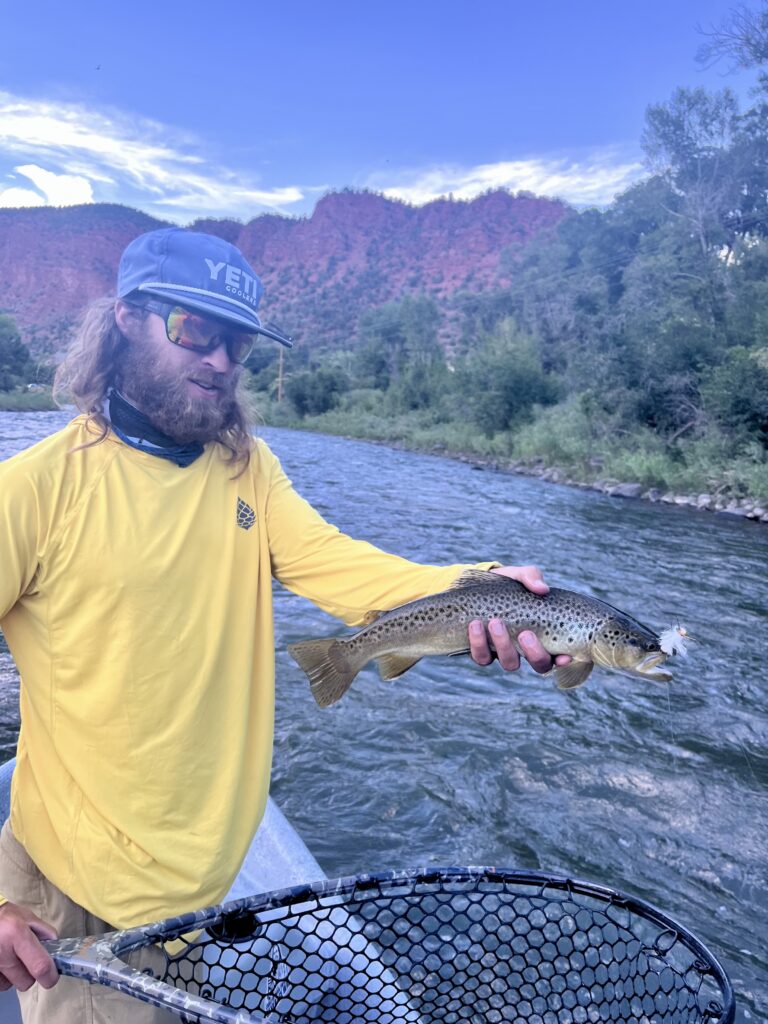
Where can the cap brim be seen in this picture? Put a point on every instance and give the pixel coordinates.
(270, 331)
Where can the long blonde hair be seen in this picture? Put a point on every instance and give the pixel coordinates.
(88, 371)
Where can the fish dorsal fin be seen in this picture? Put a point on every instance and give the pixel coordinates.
(371, 617)
(393, 665)
(568, 677)
(472, 577)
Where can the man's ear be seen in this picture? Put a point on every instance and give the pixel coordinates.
(128, 319)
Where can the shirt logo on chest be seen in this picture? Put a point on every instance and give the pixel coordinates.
(246, 517)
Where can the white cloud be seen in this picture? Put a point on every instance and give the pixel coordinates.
(58, 189)
(73, 154)
(592, 181)
(12, 197)
(112, 157)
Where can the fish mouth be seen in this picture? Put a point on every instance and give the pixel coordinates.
(649, 668)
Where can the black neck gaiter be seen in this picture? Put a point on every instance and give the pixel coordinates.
(133, 427)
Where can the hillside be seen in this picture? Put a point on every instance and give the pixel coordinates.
(357, 250)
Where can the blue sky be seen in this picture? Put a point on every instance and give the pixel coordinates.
(192, 109)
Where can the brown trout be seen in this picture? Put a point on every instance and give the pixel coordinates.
(590, 631)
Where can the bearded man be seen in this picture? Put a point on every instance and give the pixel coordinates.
(138, 548)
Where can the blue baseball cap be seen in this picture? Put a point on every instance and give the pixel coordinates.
(197, 271)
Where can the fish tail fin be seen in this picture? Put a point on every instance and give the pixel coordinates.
(327, 667)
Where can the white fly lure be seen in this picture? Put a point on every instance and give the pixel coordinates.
(674, 641)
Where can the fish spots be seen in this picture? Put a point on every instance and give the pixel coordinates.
(426, 615)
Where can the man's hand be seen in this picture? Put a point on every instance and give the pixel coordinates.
(483, 643)
(23, 961)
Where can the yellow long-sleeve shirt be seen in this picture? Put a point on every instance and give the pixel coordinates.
(136, 598)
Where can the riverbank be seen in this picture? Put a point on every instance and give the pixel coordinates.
(744, 508)
(718, 498)
(39, 400)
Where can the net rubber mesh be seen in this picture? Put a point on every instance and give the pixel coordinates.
(452, 946)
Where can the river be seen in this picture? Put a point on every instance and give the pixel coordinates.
(657, 790)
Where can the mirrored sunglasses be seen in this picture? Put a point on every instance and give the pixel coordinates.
(199, 334)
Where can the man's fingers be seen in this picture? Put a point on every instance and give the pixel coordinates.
(502, 645)
(23, 960)
(17, 975)
(479, 648)
(43, 930)
(539, 659)
(529, 575)
(506, 650)
(35, 962)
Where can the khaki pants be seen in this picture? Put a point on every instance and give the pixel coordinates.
(70, 1001)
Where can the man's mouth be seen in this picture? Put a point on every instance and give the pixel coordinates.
(206, 386)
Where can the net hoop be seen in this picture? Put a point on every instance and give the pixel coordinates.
(477, 922)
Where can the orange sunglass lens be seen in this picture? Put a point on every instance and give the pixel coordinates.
(188, 330)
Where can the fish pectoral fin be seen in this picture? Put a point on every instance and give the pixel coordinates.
(393, 665)
(568, 677)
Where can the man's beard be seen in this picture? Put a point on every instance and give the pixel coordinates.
(164, 396)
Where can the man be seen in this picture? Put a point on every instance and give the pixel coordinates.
(138, 547)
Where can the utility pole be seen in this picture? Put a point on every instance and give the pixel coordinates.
(280, 366)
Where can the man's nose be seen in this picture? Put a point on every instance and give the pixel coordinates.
(218, 358)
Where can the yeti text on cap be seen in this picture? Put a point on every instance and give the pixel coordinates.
(236, 281)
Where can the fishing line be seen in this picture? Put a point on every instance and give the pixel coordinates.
(743, 747)
(672, 730)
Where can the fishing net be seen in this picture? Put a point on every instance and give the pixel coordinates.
(450, 946)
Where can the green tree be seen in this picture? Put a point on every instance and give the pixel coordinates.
(313, 392)
(747, 310)
(381, 352)
(15, 365)
(736, 394)
(687, 141)
(503, 380)
(262, 365)
(399, 352)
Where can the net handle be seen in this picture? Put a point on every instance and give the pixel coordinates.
(93, 959)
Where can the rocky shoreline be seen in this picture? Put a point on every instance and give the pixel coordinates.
(744, 508)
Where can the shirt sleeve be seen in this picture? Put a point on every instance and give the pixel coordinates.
(345, 577)
(19, 533)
